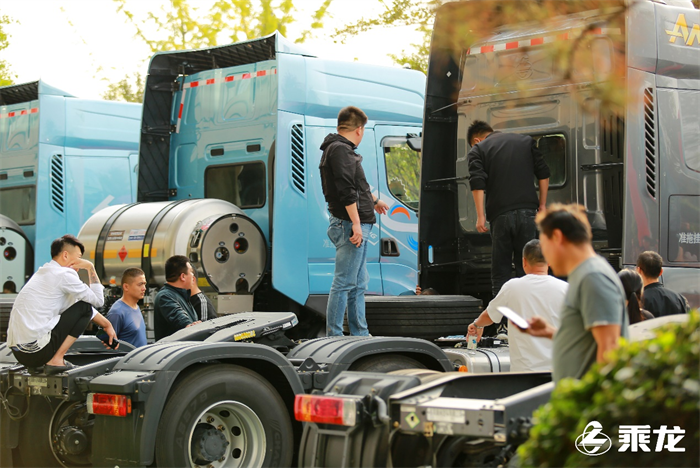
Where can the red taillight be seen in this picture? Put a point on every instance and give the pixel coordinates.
(108, 405)
(325, 410)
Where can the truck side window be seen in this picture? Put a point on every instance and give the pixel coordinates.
(553, 148)
(244, 185)
(402, 171)
(19, 204)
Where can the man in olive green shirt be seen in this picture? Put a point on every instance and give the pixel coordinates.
(593, 316)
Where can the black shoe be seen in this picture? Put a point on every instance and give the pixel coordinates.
(52, 370)
(35, 370)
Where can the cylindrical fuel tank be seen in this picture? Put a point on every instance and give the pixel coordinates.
(221, 242)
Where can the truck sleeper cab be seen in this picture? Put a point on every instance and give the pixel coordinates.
(61, 160)
(243, 124)
(635, 169)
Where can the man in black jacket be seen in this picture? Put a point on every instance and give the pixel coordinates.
(352, 206)
(172, 308)
(655, 298)
(503, 166)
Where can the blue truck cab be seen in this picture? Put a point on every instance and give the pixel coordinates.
(244, 122)
(61, 160)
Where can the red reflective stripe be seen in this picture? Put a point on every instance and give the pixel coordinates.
(563, 37)
(261, 73)
(24, 112)
(10, 114)
(597, 31)
(538, 41)
(194, 84)
(211, 81)
(34, 110)
(179, 114)
(275, 71)
(228, 78)
(511, 45)
(485, 49)
(245, 76)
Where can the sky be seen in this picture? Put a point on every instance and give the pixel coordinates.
(80, 46)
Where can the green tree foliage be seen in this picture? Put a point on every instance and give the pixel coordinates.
(129, 89)
(655, 383)
(6, 76)
(181, 25)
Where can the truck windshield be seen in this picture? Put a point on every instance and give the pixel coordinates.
(19, 204)
(402, 171)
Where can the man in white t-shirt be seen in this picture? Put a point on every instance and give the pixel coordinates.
(536, 293)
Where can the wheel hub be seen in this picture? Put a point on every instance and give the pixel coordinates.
(228, 434)
(208, 444)
(72, 440)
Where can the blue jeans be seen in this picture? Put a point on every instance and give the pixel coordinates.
(350, 280)
(510, 232)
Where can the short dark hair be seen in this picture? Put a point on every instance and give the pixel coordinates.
(130, 274)
(650, 263)
(59, 245)
(10, 286)
(350, 118)
(477, 128)
(571, 220)
(429, 292)
(532, 252)
(174, 267)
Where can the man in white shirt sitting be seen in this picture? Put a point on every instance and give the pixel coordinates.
(536, 293)
(54, 307)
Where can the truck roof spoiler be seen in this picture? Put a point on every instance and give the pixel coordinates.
(163, 70)
(188, 62)
(26, 92)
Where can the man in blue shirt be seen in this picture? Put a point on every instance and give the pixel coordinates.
(125, 315)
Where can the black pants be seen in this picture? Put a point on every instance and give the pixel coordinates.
(510, 232)
(73, 322)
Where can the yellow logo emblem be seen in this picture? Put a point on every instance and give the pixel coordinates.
(680, 29)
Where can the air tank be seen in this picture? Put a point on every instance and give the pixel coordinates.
(223, 244)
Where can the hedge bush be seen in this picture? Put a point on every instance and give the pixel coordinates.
(654, 382)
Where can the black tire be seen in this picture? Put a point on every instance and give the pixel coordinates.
(385, 363)
(34, 445)
(219, 383)
(426, 317)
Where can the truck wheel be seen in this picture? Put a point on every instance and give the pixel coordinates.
(385, 363)
(426, 317)
(225, 416)
(34, 445)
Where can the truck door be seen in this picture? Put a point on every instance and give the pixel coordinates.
(398, 185)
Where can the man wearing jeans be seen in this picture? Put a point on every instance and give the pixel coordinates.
(352, 206)
(502, 168)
